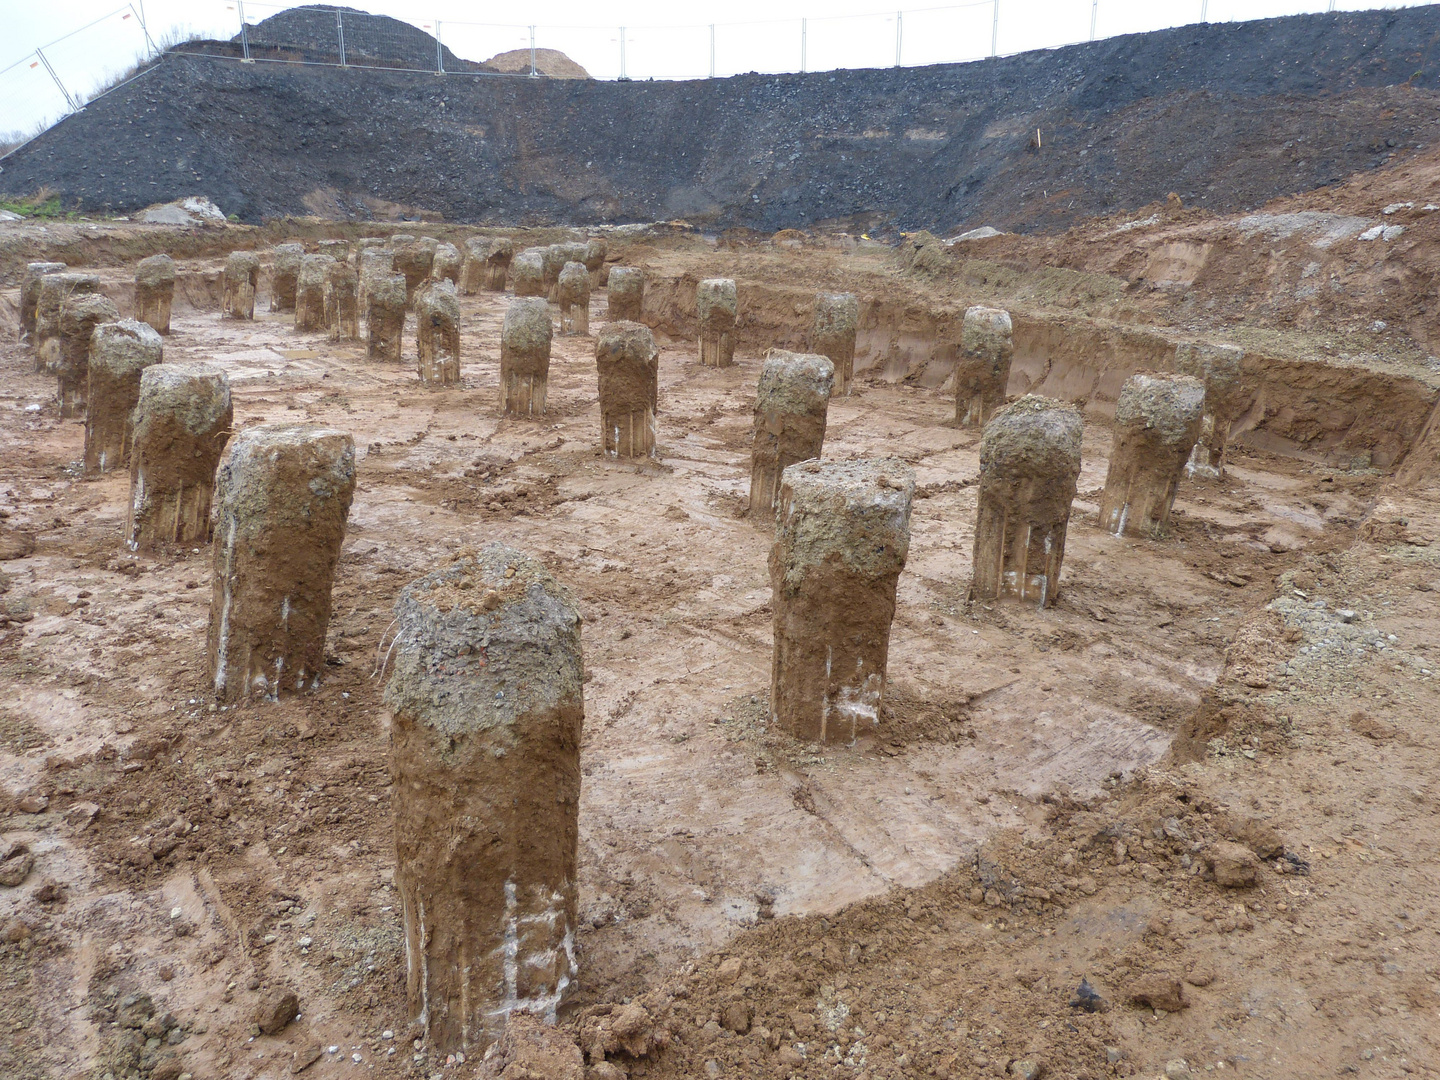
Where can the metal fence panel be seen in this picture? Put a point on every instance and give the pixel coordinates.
(765, 47)
(668, 52)
(32, 100)
(851, 41)
(947, 35)
(595, 48)
(481, 41)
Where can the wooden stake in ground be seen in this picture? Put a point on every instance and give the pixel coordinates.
(486, 707)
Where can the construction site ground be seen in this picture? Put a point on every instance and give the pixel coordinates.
(1053, 796)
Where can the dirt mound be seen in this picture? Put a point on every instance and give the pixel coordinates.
(376, 40)
(551, 62)
(1224, 115)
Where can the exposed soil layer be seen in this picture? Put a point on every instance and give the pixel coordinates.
(1051, 796)
(1211, 112)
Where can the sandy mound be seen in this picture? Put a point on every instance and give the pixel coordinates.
(551, 62)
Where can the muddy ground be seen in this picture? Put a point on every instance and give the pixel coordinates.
(1050, 799)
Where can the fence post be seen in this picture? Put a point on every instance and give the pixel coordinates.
(533, 72)
(712, 50)
(74, 105)
(802, 46)
(144, 29)
(1204, 9)
(899, 34)
(439, 53)
(995, 30)
(1094, 11)
(340, 33)
(622, 54)
(244, 36)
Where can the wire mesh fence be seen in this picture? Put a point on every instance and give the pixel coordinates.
(61, 76)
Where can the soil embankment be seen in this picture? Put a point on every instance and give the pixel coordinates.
(1225, 115)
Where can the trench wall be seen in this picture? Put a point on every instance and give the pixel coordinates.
(1342, 416)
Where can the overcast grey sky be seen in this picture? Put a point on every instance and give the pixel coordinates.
(662, 39)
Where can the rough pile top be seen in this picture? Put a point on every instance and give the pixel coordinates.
(574, 281)
(287, 257)
(1218, 366)
(854, 512)
(79, 314)
(625, 341)
(314, 268)
(794, 382)
(529, 264)
(484, 642)
(439, 301)
(836, 313)
(1034, 436)
(527, 325)
(326, 457)
(715, 294)
(64, 283)
(373, 259)
(625, 279)
(340, 274)
(387, 291)
(156, 270)
(124, 347)
(241, 264)
(986, 330)
(1169, 405)
(196, 396)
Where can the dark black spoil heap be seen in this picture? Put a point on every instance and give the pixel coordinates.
(1226, 115)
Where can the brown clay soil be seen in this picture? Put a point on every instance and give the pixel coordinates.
(1204, 782)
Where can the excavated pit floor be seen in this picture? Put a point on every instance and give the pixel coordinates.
(693, 813)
